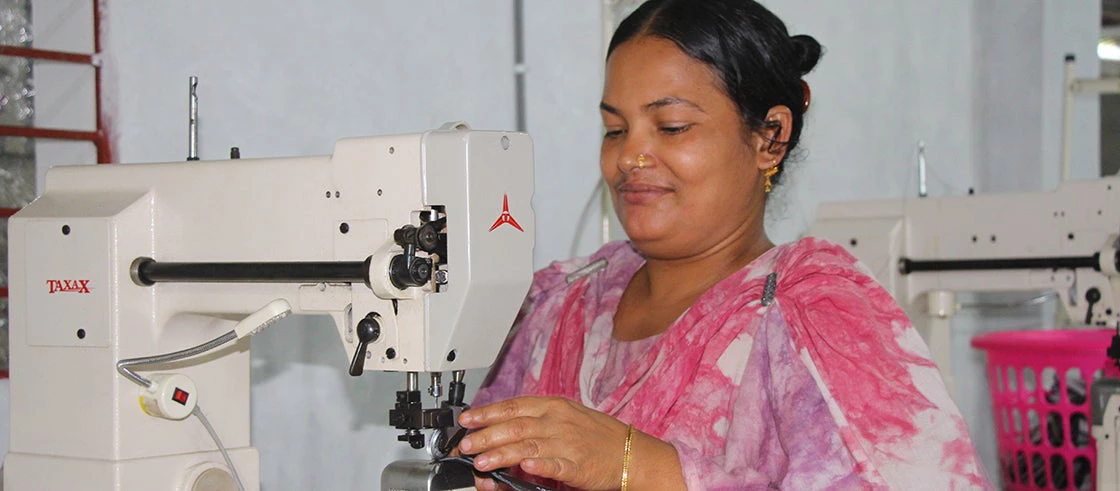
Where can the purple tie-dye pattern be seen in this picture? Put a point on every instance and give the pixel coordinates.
(828, 387)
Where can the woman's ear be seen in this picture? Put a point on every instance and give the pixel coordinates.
(774, 133)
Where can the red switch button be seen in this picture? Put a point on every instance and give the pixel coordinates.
(180, 396)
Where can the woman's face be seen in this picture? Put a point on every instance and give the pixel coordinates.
(700, 184)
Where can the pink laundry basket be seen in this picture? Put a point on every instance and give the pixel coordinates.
(1039, 381)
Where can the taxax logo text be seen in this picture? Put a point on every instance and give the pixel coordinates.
(68, 286)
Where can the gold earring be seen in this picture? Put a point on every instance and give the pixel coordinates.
(770, 173)
(641, 161)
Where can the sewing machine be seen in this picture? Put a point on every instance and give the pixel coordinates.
(418, 246)
(926, 250)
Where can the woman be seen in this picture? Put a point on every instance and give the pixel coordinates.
(701, 355)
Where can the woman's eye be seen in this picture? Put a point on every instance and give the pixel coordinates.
(673, 130)
(612, 134)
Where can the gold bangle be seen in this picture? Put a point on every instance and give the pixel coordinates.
(626, 459)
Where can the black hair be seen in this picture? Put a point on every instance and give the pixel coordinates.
(745, 44)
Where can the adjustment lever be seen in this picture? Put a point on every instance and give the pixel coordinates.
(1093, 295)
(369, 330)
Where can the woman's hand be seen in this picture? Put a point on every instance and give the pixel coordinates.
(555, 438)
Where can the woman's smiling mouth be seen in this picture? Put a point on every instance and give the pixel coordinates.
(636, 193)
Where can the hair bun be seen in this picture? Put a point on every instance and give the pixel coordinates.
(807, 51)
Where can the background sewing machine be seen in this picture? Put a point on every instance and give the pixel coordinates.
(927, 250)
(418, 246)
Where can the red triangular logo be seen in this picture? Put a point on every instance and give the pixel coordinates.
(505, 217)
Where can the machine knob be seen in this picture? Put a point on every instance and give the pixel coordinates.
(421, 271)
(1092, 296)
(369, 330)
(405, 236)
(405, 273)
(427, 238)
(414, 438)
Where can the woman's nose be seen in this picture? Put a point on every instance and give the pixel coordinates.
(634, 153)
(629, 162)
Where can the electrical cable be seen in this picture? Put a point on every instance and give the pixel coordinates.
(197, 412)
(584, 215)
(123, 368)
(250, 325)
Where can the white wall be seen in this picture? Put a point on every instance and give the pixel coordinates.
(890, 76)
(1019, 55)
(291, 78)
(64, 92)
(563, 89)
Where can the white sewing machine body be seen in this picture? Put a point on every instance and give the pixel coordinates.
(1078, 222)
(77, 309)
(926, 250)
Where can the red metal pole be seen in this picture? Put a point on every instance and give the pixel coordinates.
(104, 142)
(48, 133)
(101, 136)
(43, 54)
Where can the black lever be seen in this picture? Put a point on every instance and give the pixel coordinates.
(1093, 295)
(368, 331)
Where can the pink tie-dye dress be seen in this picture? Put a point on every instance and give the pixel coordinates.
(797, 372)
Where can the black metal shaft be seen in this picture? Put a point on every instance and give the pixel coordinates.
(149, 272)
(907, 265)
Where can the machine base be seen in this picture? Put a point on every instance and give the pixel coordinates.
(202, 471)
(422, 475)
